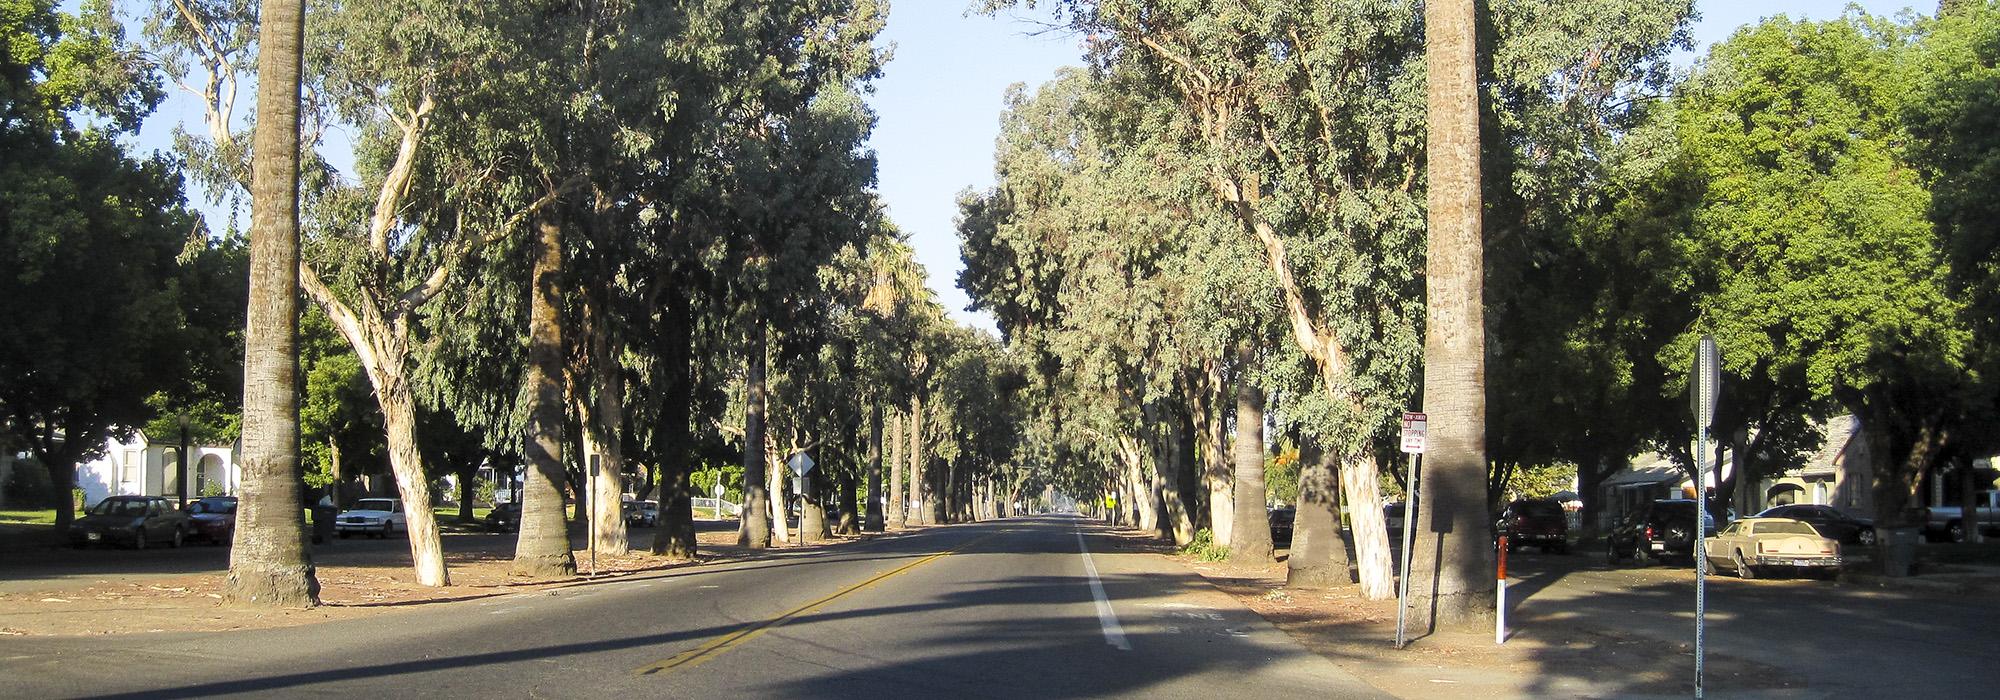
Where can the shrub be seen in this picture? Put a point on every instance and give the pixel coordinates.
(1205, 548)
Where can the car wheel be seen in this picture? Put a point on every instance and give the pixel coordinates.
(1866, 537)
(1954, 531)
(1743, 568)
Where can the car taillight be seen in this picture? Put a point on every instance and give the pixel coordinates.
(1649, 532)
(1761, 548)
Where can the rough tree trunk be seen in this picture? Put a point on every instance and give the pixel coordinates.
(675, 537)
(1319, 555)
(1451, 576)
(603, 420)
(269, 565)
(1218, 474)
(916, 426)
(756, 525)
(895, 502)
(874, 519)
(542, 550)
(1250, 541)
(467, 492)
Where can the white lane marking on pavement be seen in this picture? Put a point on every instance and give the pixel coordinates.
(1114, 635)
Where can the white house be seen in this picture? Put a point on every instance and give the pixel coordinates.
(141, 467)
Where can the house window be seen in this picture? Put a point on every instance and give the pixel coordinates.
(132, 471)
(1819, 493)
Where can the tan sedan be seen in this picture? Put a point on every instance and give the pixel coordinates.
(1772, 544)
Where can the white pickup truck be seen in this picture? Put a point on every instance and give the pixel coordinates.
(1946, 523)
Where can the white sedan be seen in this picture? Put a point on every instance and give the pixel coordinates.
(1772, 544)
(381, 517)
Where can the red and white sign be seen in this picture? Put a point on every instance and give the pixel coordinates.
(1413, 433)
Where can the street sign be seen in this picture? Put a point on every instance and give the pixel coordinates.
(1704, 383)
(716, 490)
(1413, 433)
(800, 464)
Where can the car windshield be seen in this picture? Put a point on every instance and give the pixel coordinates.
(382, 504)
(1785, 527)
(1538, 509)
(118, 507)
(223, 507)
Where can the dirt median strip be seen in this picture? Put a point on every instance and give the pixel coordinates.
(112, 604)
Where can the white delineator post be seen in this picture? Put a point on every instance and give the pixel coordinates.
(1500, 597)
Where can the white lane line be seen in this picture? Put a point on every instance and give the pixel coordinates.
(1114, 634)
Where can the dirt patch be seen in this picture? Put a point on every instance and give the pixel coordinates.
(1546, 659)
(193, 603)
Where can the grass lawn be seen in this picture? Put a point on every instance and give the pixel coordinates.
(28, 517)
(450, 514)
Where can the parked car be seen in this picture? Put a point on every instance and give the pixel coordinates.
(132, 521)
(1281, 524)
(1946, 523)
(1392, 516)
(642, 513)
(1829, 521)
(1538, 522)
(381, 517)
(213, 518)
(1658, 530)
(505, 517)
(1767, 544)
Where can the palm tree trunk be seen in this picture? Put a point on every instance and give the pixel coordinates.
(269, 565)
(895, 502)
(916, 424)
(542, 550)
(1451, 570)
(1319, 555)
(873, 523)
(1250, 537)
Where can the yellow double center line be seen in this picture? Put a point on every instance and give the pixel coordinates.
(720, 645)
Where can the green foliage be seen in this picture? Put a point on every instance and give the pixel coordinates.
(1205, 548)
(1281, 475)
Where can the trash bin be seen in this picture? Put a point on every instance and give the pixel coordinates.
(322, 523)
(1899, 551)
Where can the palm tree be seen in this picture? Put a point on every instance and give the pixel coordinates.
(1250, 536)
(1452, 551)
(542, 551)
(270, 565)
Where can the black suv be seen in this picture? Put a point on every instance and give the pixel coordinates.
(1660, 530)
(1540, 522)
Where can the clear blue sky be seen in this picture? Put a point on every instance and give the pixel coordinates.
(939, 107)
(939, 103)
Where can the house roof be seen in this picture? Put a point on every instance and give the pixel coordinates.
(1833, 451)
(1650, 469)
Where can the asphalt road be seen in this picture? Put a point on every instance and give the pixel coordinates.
(1005, 609)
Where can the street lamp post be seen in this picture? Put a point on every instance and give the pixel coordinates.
(181, 482)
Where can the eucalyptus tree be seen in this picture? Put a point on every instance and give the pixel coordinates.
(269, 564)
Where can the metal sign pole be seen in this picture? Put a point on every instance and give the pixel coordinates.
(1703, 385)
(1414, 425)
(1403, 574)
